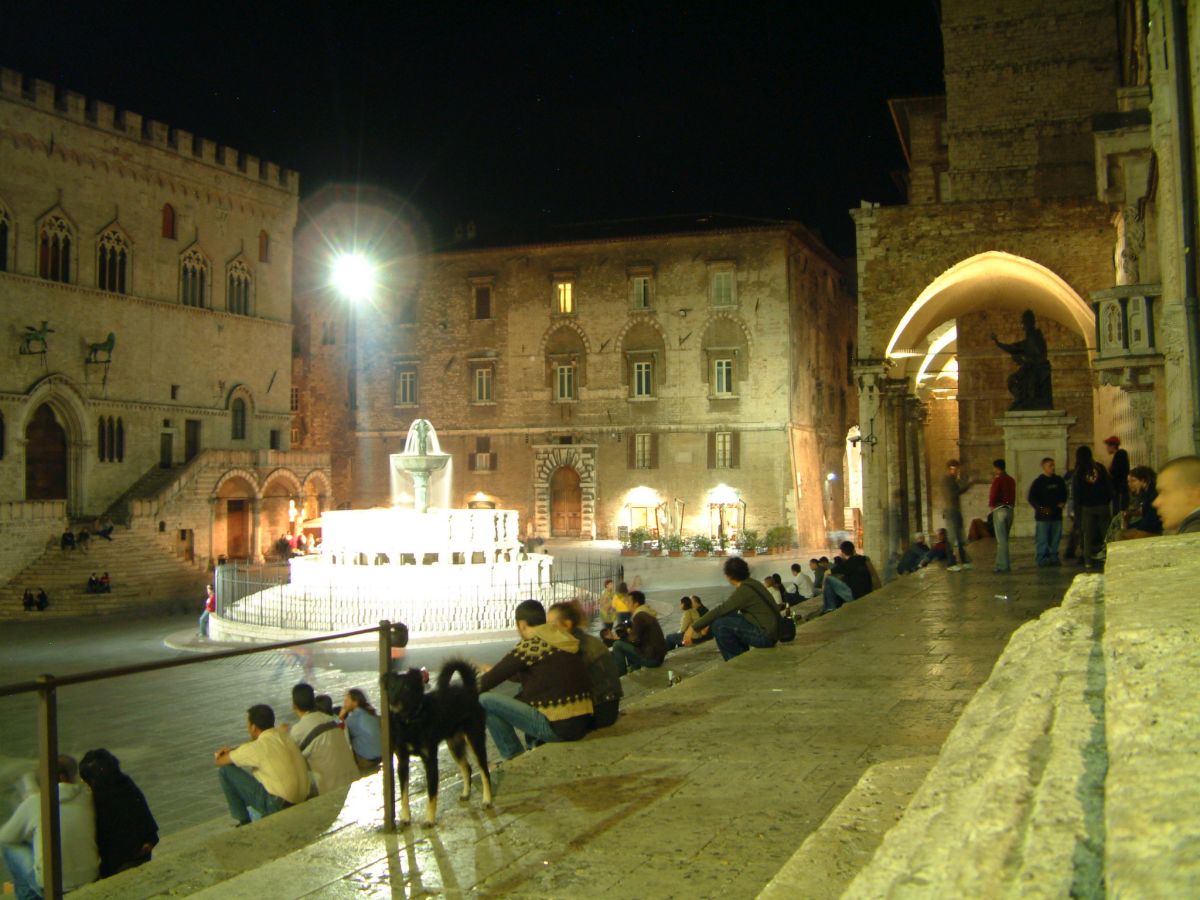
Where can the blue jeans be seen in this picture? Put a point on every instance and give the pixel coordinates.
(246, 796)
(1046, 539)
(736, 634)
(19, 859)
(1002, 517)
(505, 715)
(203, 623)
(836, 593)
(629, 659)
(957, 535)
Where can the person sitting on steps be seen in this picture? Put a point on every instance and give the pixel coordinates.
(746, 618)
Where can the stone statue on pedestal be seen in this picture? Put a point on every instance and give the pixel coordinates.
(1030, 384)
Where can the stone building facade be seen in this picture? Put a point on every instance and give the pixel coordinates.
(145, 292)
(1031, 185)
(687, 376)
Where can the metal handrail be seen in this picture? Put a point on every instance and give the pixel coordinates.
(45, 686)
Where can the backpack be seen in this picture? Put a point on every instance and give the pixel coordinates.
(785, 628)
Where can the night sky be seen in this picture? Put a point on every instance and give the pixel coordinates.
(522, 116)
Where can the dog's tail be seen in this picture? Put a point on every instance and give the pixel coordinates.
(464, 669)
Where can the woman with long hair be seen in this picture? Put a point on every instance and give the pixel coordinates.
(362, 725)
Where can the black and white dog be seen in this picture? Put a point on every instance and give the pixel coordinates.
(421, 721)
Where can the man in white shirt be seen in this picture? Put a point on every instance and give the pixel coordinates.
(802, 582)
(21, 837)
(322, 741)
(263, 775)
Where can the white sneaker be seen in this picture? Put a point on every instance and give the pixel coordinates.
(968, 565)
(953, 568)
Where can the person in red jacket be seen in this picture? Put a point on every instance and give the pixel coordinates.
(1002, 499)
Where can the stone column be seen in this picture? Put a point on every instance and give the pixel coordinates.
(918, 417)
(1029, 436)
(870, 377)
(255, 529)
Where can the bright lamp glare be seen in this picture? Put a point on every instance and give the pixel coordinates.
(353, 276)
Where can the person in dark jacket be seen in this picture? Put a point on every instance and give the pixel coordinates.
(852, 576)
(644, 644)
(1118, 470)
(1142, 518)
(913, 556)
(1048, 497)
(126, 832)
(746, 619)
(1093, 504)
(601, 666)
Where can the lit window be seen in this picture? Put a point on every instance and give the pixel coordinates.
(193, 278)
(483, 301)
(238, 409)
(641, 292)
(564, 383)
(643, 379)
(564, 295)
(722, 288)
(723, 457)
(406, 386)
(54, 249)
(723, 377)
(112, 261)
(237, 298)
(295, 399)
(483, 384)
(643, 449)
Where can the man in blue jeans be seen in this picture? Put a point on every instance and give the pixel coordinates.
(746, 619)
(555, 700)
(644, 643)
(1002, 498)
(851, 577)
(265, 774)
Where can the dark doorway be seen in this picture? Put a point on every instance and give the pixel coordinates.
(566, 503)
(45, 457)
(237, 529)
(166, 450)
(191, 439)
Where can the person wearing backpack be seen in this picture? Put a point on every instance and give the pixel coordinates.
(746, 619)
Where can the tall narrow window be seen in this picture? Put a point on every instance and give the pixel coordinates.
(406, 385)
(643, 379)
(54, 249)
(482, 459)
(723, 377)
(112, 261)
(483, 301)
(564, 383)
(643, 446)
(723, 444)
(238, 410)
(564, 297)
(4, 228)
(101, 440)
(193, 278)
(120, 440)
(722, 288)
(483, 384)
(168, 221)
(264, 247)
(295, 399)
(641, 291)
(237, 288)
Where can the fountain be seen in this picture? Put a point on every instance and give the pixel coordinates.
(441, 571)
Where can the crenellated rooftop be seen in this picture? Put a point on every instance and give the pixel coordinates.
(69, 105)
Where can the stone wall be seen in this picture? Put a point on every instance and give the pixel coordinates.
(26, 529)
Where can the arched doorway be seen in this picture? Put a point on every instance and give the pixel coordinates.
(45, 456)
(566, 503)
(233, 526)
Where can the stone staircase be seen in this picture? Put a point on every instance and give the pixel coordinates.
(150, 485)
(145, 574)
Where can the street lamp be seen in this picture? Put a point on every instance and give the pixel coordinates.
(354, 276)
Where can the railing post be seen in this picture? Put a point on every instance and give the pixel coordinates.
(48, 778)
(387, 763)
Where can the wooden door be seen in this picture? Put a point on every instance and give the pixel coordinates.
(45, 457)
(166, 450)
(237, 529)
(191, 439)
(566, 503)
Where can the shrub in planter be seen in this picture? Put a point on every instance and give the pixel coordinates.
(779, 538)
(748, 543)
(638, 538)
(702, 545)
(673, 545)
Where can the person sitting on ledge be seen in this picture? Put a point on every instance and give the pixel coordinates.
(67, 541)
(93, 584)
(104, 528)
(82, 540)
(105, 584)
(126, 832)
(853, 576)
(746, 618)
(644, 643)
(601, 666)
(689, 614)
(363, 728)
(940, 551)
(265, 774)
(322, 742)
(27, 600)
(555, 700)
(1178, 500)
(42, 600)
(913, 556)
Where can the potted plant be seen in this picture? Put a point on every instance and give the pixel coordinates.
(638, 538)
(748, 542)
(701, 545)
(722, 543)
(779, 539)
(673, 544)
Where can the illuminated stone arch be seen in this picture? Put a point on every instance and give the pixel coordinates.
(230, 475)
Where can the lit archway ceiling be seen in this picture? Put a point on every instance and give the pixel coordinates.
(990, 281)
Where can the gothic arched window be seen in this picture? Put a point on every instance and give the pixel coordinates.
(238, 408)
(237, 288)
(168, 221)
(193, 278)
(112, 262)
(55, 239)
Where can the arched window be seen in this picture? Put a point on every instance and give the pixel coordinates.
(110, 439)
(168, 221)
(237, 288)
(4, 229)
(101, 440)
(264, 246)
(238, 407)
(112, 261)
(120, 440)
(54, 249)
(193, 278)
